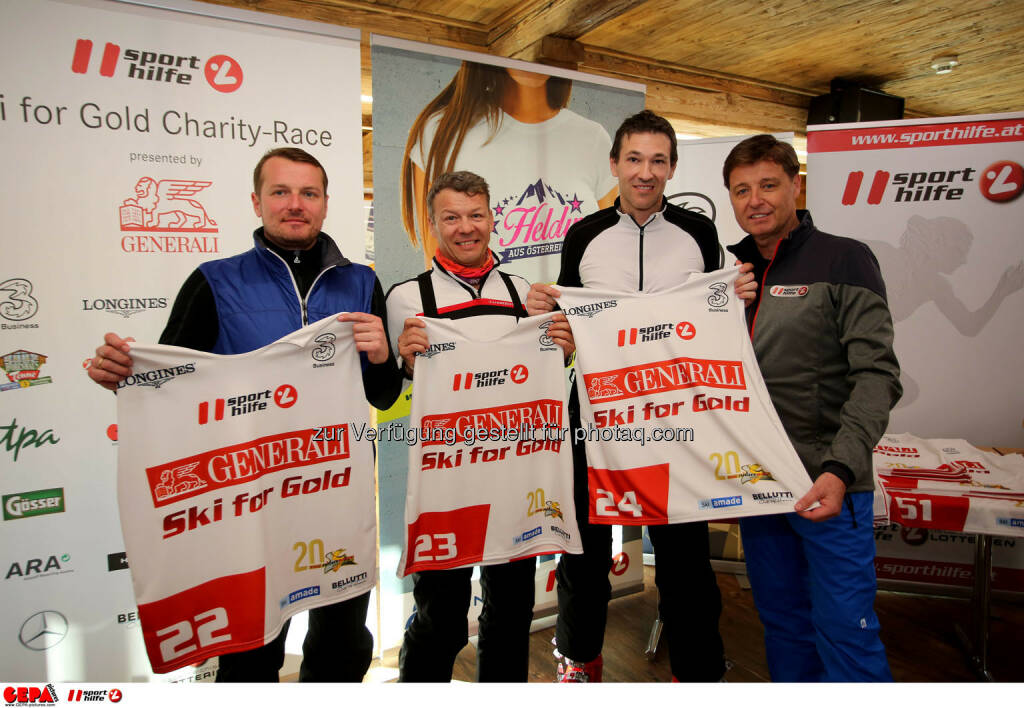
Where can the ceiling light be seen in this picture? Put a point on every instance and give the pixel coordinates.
(945, 63)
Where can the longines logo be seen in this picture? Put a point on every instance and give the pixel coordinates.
(124, 306)
(434, 349)
(167, 206)
(157, 377)
(591, 309)
(43, 630)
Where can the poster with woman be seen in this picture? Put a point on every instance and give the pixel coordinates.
(540, 136)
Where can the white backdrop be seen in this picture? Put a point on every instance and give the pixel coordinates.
(90, 246)
(938, 202)
(697, 183)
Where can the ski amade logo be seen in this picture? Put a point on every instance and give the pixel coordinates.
(222, 73)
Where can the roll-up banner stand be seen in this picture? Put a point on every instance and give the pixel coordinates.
(547, 167)
(938, 201)
(129, 135)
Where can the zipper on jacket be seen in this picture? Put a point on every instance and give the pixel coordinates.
(641, 288)
(295, 287)
(764, 280)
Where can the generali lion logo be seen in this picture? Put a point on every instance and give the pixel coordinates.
(166, 205)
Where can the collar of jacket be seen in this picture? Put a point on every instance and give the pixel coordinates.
(331, 254)
(746, 250)
(661, 209)
(441, 268)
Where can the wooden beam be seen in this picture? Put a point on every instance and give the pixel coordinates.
(382, 19)
(529, 23)
(640, 69)
(555, 51)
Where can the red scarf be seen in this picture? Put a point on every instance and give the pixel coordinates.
(466, 272)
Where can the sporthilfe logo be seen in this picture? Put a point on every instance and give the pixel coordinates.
(221, 71)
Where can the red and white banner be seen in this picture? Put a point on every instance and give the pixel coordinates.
(490, 470)
(246, 489)
(677, 421)
(938, 201)
(950, 485)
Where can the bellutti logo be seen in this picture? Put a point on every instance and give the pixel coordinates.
(27, 504)
(933, 186)
(284, 396)
(124, 306)
(43, 630)
(22, 369)
(222, 72)
(158, 377)
(30, 695)
(18, 305)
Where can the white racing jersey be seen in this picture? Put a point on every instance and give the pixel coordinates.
(677, 421)
(244, 492)
(949, 485)
(490, 473)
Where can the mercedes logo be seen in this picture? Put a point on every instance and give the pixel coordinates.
(43, 630)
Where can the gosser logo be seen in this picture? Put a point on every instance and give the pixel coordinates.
(158, 377)
(222, 73)
(22, 369)
(27, 504)
(124, 306)
(591, 309)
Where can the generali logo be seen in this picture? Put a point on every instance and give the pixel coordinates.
(222, 72)
(162, 207)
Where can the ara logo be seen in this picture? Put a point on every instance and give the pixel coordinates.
(222, 72)
(39, 567)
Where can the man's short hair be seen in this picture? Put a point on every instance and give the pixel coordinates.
(645, 122)
(288, 153)
(468, 183)
(762, 147)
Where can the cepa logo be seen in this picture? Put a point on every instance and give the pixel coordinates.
(221, 71)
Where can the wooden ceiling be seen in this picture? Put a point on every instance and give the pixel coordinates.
(717, 67)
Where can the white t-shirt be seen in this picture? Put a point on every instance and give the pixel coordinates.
(543, 178)
(245, 492)
(506, 495)
(651, 368)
